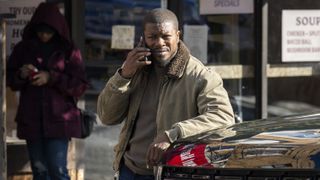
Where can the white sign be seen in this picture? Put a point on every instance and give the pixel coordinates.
(196, 39)
(300, 35)
(122, 37)
(226, 6)
(23, 10)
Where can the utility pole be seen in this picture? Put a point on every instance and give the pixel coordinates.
(3, 154)
(3, 145)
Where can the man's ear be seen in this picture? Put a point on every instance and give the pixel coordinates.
(178, 34)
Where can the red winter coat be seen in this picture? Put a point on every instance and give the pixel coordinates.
(49, 110)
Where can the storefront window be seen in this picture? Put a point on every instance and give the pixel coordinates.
(229, 49)
(299, 98)
(293, 68)
(102, 60)
(101, 16)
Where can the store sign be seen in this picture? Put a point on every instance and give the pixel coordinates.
(14, 27)
(226, 6)
(300, 35)
(196, 38)
(122, 37)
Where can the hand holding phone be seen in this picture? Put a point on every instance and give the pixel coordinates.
(33, 72)
(136, 59)
(27, 71)
(40, 78)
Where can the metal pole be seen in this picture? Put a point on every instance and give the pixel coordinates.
(264, 59)
(3, 144)
(3, 151)
(260, 70)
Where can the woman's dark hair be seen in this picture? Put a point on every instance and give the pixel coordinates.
(42, 27)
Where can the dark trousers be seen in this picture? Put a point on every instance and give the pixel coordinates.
(48, 159)
(127, 174)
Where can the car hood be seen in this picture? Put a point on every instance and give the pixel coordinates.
(282, 142)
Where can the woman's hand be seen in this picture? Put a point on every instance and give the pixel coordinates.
(41, 78)
(26, 70)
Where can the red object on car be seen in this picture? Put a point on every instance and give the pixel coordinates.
(189, 155)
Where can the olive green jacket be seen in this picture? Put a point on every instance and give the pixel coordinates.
(192, 100)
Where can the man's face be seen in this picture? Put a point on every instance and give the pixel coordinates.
(163, 41)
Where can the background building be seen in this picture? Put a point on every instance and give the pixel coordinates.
(267, 52)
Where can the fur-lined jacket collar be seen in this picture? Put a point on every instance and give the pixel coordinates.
(178, 64)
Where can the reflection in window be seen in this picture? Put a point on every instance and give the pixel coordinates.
(298, 98)
(230, 36)
(101, 15)
(102, 60)
(230, 41)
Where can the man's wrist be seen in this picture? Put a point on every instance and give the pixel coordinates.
(173, 134)
(121, 74)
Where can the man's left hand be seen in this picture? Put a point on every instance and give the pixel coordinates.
(155, 151)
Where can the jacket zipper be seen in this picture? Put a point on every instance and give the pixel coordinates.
(43, 90)
(163, 82)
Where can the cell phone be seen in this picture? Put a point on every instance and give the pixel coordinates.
(33, 72)
(144, 45)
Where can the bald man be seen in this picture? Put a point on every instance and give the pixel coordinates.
(161, 93)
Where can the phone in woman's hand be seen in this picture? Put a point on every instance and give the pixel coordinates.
(33, 72)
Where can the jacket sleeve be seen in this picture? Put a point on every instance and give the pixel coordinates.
(72, 81)
(214, 109)
(13, 69)
(113, 100)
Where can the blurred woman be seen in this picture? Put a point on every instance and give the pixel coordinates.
(49, 73)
